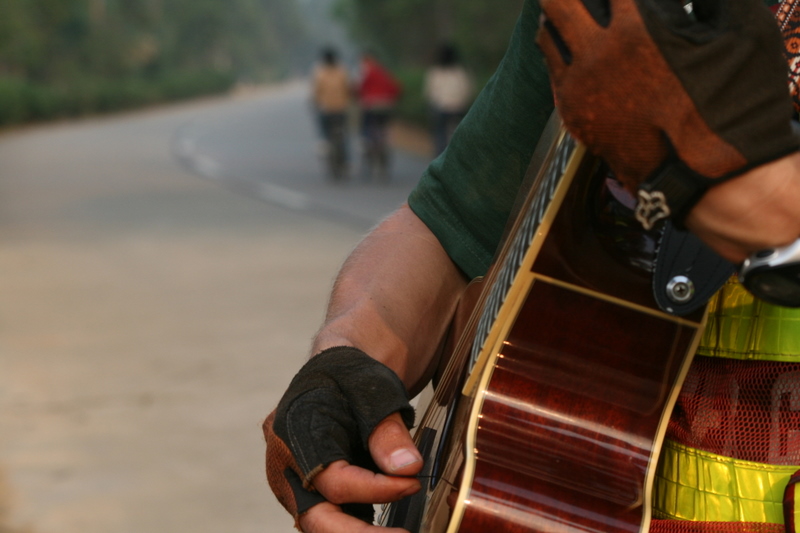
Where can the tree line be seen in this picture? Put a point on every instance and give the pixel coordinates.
(407, 33)
(61, 58)
(71, 57)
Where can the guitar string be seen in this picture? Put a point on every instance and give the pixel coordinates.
(503, 280)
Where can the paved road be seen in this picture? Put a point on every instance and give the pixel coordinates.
(264, 148)
(151, 317)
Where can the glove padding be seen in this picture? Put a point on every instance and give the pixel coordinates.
(327, 414)
(663, 96)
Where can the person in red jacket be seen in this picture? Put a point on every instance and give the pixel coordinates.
(378, 92)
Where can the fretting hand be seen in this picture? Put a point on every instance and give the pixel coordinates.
(675, 103)
(340, 427)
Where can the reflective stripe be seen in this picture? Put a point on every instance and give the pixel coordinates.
(696, 485)
(743, 327)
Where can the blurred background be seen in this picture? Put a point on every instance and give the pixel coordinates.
(63, 58)
(168, 238)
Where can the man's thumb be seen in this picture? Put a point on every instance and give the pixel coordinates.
(392, 449)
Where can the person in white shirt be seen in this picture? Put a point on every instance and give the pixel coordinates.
(448, 91)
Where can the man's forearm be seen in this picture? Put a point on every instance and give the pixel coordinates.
(394, 297)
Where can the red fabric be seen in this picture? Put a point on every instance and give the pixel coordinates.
(378, 86)
(741, 409)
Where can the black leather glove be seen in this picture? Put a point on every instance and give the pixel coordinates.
(328, 413)
(673, 102)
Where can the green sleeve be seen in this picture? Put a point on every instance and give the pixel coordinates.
(465, 196)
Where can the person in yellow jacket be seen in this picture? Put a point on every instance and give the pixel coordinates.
(332, 99)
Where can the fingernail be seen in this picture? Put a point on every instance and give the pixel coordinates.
(401, 458)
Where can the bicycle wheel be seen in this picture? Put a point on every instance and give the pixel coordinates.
(337, 150)
(376, 145)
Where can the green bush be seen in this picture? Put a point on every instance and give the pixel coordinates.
(107, 96)
(43, 102)
(22, 101)
(412, 106)
(14, 101)
(188, 84)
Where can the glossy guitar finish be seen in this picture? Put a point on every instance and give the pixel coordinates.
(551, 411)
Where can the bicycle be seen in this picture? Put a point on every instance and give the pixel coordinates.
(335, 129)
(376, 144)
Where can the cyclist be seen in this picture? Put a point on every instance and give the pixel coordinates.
(378, 92)
(448, 91)
(332, 98)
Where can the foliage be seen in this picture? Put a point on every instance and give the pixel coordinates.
(66, 57)
(412, 105)
(27, 101)
(407, 33)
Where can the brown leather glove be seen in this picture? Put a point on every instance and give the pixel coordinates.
(328, 413)
(674, 102)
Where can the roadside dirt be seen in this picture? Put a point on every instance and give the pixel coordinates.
(6, 504)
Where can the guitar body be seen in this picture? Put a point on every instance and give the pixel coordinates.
(551, 411)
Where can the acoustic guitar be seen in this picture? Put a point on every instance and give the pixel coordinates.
(550, 413)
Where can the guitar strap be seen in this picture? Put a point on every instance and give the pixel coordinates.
(687, 272)
(788, 15)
